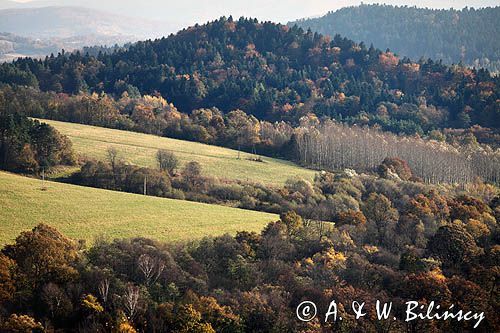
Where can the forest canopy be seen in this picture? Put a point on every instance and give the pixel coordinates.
(276, 72)
(469, 35)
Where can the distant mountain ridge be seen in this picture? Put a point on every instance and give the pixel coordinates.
(14, 46)
(63, 22)
(469, 35)
(189, 12)
(37, 32)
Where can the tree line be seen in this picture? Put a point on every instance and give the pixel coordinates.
(460, 155)
(169, 179)
(336, 146)
(450, 156)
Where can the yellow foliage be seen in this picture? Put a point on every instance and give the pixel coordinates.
(287, 108)
(308, 262)
(21, 324)
(437, 274)
(412, 67)
(90, 302)
(155, 102)
(370, 249)
(126, 328)
(477, 228)
(330, 259)
(123, 325)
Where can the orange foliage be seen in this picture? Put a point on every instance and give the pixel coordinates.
(251, 51)
(388, 60)
(351, 217)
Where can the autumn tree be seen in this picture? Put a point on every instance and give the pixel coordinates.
(191, 174)
(113, 157)
(167, 161)
(453, 245)
(56, 302)
(379, 210)
(395, 167)
(113, 160)
(151, 268)
(22, 324)
(351, 217)
(44, 255)
(90, 303)
(221, 318)
(242, 129)
(185, 319)
(7, 279)
(293, 222)
(131, 301)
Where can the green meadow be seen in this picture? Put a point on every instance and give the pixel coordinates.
(140, 149)
(87, 213)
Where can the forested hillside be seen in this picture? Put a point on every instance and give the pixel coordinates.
(392, 241)
(403, 206)
(468, 35)
(276, 72)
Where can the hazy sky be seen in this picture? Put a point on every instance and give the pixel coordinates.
(198, 11)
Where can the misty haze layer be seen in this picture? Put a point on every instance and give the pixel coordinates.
(198, 11)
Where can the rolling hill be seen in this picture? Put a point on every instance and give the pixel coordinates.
(276, 72)
(468, 35)
(87, 213)
(140, 149)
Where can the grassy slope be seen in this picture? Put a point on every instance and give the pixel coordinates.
(85, 213)
(140, 149)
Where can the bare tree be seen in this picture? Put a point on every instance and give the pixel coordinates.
(238, 127)
(53, 298)
(336, 146)
(146, 266)
(160, 267)
(277, 134)
(112, 153)
(151, 268)
(131, 301)
(104, 289)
